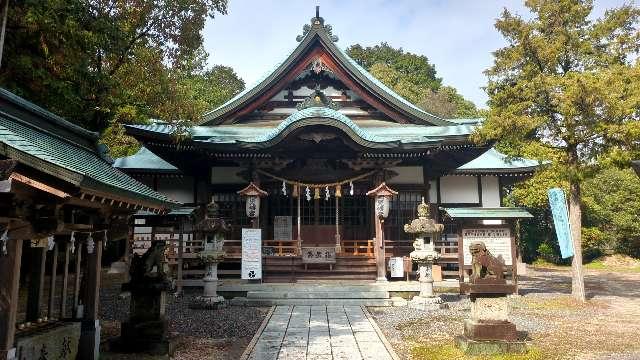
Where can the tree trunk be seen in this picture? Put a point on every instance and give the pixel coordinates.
(575, 219)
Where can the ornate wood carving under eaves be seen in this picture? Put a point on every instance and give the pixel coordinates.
(359, 164)
(317, 99)
(276, 164)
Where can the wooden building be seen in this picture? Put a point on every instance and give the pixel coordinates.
(317, 133)
(60, 201)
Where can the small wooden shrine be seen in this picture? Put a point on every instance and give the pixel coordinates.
(60, 202)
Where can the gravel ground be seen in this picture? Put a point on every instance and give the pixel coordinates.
(210, 334)
(555, 326)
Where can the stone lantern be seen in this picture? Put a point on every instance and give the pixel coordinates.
(253, 193)
(426, 230)
(382, 195)
(213, 228)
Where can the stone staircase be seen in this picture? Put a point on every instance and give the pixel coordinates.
(316, 294)
(288, 269)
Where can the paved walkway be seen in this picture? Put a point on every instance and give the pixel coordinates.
(319, 333)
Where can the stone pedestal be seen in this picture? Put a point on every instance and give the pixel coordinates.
(489, 331)
(210, 298)
(146, 329)
(427, 300)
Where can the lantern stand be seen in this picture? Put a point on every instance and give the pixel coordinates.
(252, 193)
(382, 195)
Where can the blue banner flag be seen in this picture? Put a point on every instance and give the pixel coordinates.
(558, 206)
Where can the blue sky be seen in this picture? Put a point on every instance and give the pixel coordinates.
(456, 35)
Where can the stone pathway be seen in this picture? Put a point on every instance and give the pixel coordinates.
(319, 333)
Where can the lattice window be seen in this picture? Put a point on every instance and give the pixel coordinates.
(232, 209)
(327, 210)
(402, 209)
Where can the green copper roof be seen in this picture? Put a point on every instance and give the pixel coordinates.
(495, 161)
(394, 135)
(487, 213)
(51, 153)
(144, 160)
(181, 211)
(318, 32)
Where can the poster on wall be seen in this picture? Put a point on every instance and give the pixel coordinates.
(251, 265)
(497, 240)
(396, 267)
(282, 226)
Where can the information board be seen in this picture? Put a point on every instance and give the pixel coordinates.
(251, 265)
(396, 267)
(282, 226)
(497, 240)
(319, 255)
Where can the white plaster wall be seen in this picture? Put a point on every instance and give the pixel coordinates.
(490, 191)
(406, 175)
(226, 175)
(177, 188)
(459, 189)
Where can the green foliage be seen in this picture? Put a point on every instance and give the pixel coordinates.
(448, 351)
(565, 89)
(78, 49)
(414, 78)
(612, 205)
(102, 64)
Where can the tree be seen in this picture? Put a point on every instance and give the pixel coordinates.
(69, 55)
(566, 86)
(414, 78)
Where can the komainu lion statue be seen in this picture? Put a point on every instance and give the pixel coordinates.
(142, 265)
(483, 264)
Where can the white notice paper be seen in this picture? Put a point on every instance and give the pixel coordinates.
(497, 240)
(251, 254)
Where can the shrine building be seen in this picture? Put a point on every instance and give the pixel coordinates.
(316, 134)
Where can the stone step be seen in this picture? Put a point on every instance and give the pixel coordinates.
(318, 294)
(239, 301)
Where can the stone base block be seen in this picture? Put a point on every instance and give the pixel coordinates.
(491, 330)
(397, 301)
(489, 347)
(427, 303)
(208, 302)
(164, 348)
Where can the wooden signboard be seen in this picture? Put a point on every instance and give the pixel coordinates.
(282, 228)
(497, 240)
(251, 265)
(318, 255)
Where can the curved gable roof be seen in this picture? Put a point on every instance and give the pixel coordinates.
(317, 35)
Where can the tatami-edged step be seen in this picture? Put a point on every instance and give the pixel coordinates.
(239, 301)
(318, 294)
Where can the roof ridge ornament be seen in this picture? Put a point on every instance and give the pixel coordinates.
(317, 99)
(317, 23)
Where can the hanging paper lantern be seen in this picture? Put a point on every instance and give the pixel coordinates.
(351, 188)
(326, 193)
(90, 244)
(338, 191)
(316, 193)
(284, 188)
(296, 191)
(307, 193)
(50, 243)
(4, 238)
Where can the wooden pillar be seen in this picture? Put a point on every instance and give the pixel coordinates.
(9, 284)
(380, 251)
(36, 282)
(89, 344)
(514, 260)
(180, 255)
(52, 283)
(77, 278)
(460, 257)
(65, 283)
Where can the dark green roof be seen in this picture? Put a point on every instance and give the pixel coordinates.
(41, 140)
(181, 211)
(144, 160)
(487, 213)
(318, 33)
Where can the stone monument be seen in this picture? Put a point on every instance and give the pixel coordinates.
(425, 256)
(489, 330)
(212, 228)
(146, 329)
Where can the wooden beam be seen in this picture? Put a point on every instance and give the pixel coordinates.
(9, 285)
(36, 282)
(38, 185)
(52, 283)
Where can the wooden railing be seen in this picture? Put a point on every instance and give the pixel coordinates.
(280, 247)
(357, 247)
